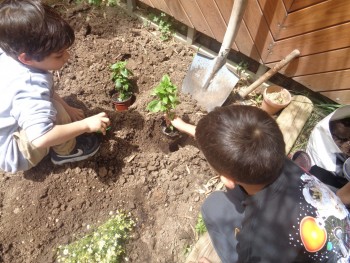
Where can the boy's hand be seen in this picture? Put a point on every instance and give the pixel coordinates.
(75, 113)
(182, 126)
(178, 123)
(98, 122)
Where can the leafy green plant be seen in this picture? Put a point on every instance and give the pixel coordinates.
(94, 2)
(200, 226)
(112, 2)
(187, 250)
(166, 99)
(242, 67)
(164, 24)
(121, 78)
(104, 245)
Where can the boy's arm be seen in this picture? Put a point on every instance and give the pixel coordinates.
(74, 113)
(62, 133)
(182, 126)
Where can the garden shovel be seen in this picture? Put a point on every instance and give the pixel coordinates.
(208, 80)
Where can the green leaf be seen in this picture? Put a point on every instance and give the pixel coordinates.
(166, 96)
(159, 90)
(153, 106)
(118, 84)
(172, 98)
(124, 72)
(165, 100)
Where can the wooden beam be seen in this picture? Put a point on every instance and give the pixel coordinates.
(323, 62)
(131, 5)
(313, 18)
(339, 96)
(316, 42)
(293, 118)
(191, 35)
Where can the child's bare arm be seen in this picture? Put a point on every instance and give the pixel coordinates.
(182, 126)
(62, 133)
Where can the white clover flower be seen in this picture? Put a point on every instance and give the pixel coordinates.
(110, 253)
(65, 251)
(101, 244)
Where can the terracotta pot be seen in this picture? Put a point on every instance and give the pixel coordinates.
(275, 99)
(121, 105)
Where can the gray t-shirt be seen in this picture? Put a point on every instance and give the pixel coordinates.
(25, 103)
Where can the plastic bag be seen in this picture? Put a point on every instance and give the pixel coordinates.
(322, 149)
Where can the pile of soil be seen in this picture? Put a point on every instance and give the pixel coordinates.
(162, 187)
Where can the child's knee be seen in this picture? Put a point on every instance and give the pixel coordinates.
(211, 204)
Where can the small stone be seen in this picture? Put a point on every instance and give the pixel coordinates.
(102, 172)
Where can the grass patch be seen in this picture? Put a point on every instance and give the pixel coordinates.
(104, 245)
(200, 226)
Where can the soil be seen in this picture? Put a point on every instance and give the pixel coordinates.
(278, 97)
(137, 169)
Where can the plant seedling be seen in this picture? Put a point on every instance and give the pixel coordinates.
(242, 68)
(95, 2)
(166, 99)
(120, 77)
(107, 129)
(164, 24)
(200, 226)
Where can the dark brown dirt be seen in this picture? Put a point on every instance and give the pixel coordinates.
(135, 170)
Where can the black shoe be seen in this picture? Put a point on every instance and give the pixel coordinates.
(86, 146)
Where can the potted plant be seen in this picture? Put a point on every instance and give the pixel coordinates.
(275, 98)
(165, 101)
(122, 85)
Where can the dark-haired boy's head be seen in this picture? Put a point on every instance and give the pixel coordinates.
(33, 28)
(243, 143)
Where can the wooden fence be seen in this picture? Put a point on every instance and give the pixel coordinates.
(271, 29)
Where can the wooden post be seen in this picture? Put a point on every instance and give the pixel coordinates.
(261, 70)
(293, 118)
(191, 35)
(131, 4)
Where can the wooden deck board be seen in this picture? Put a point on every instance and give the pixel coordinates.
(293, 118)
(203, 248)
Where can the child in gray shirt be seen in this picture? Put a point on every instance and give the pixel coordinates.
(34, 120)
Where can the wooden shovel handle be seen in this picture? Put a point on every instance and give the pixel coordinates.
(269, 74)
(234, 23)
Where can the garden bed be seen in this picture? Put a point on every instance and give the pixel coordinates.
(163, 188)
